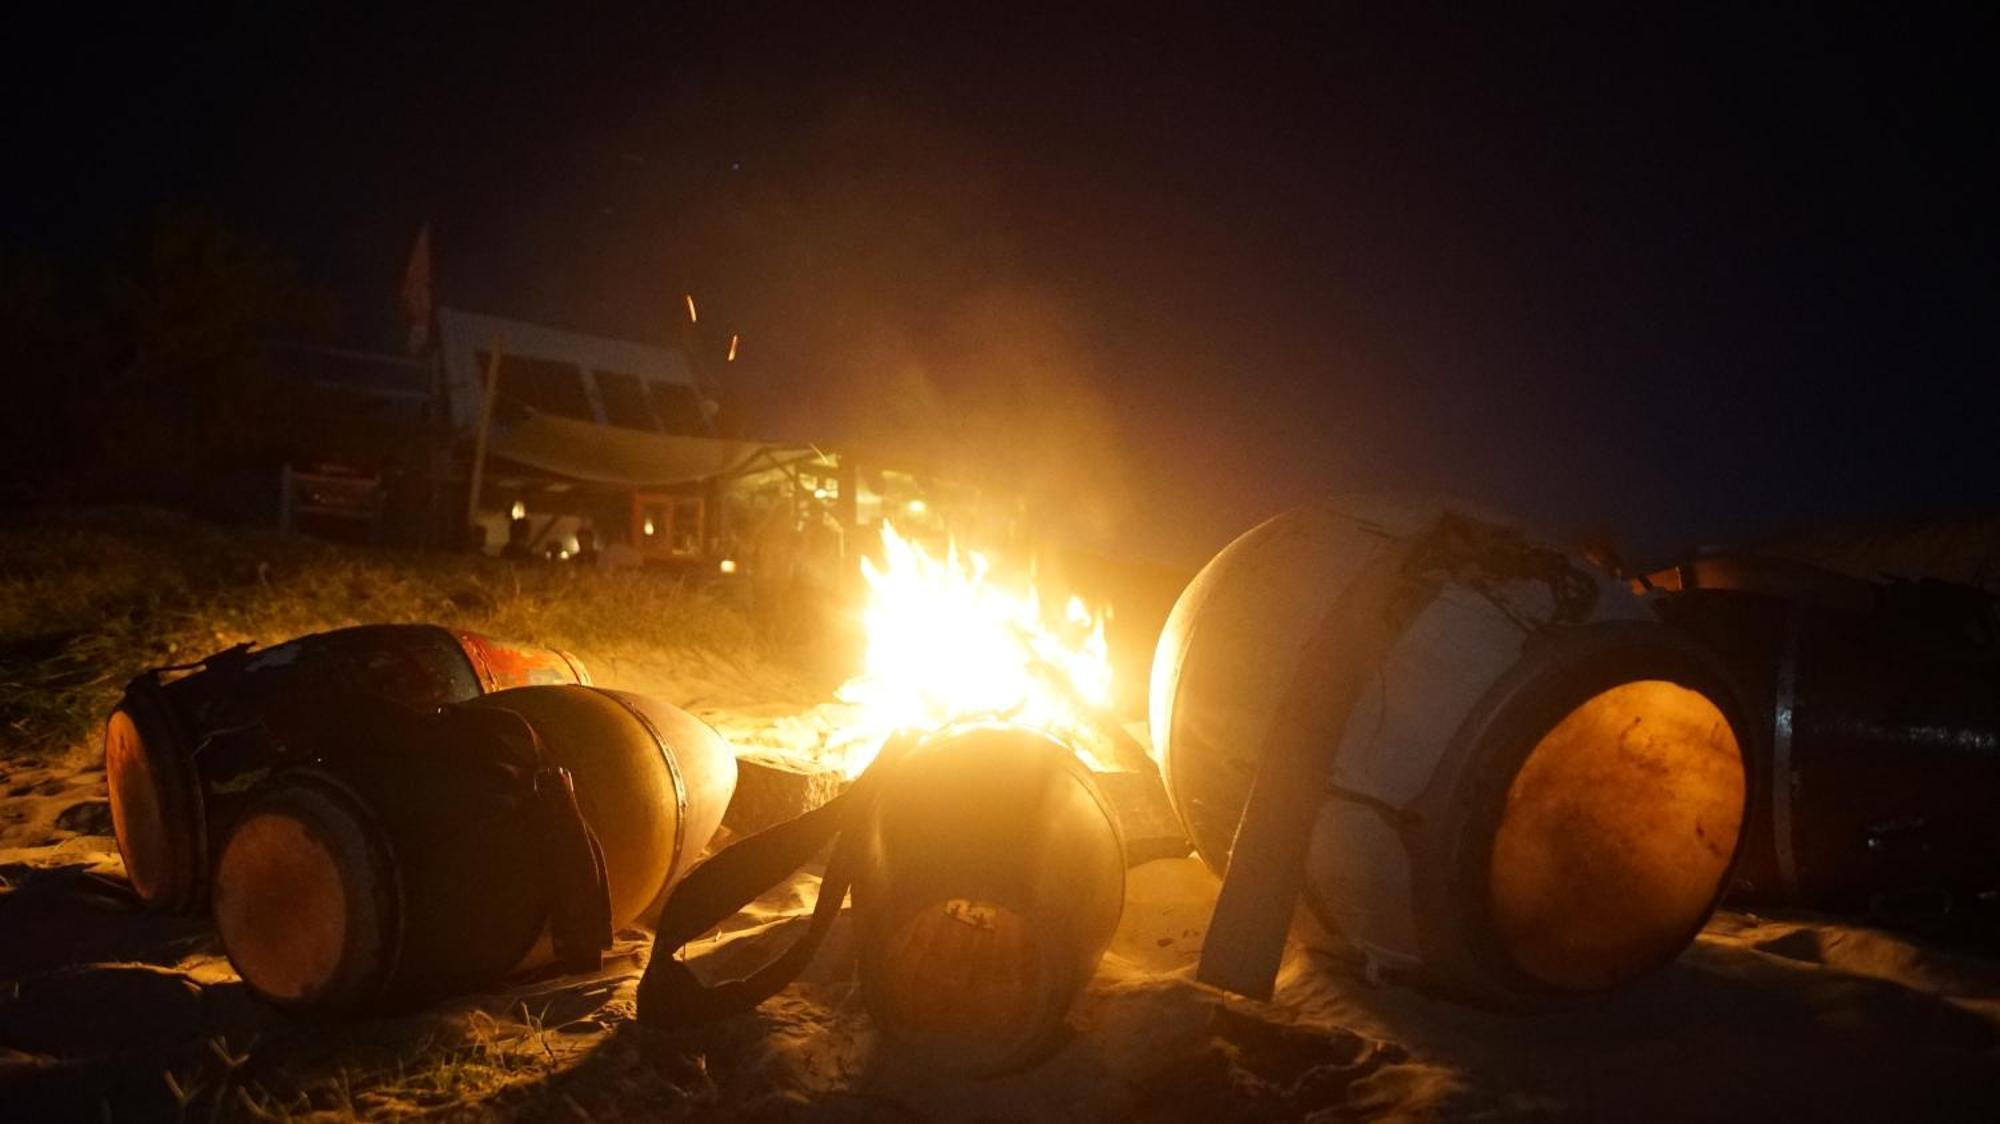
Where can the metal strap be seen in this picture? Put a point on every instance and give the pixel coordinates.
(680, 859)
(1246, 935)
(1783, 779)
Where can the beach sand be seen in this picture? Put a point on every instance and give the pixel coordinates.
(110, 1012)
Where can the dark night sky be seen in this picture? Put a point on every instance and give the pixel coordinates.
(1681, 277)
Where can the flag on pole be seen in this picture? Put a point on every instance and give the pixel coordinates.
(417, 292)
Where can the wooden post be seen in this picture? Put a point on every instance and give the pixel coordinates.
(437, 453)
(285, 500)
(479, 442)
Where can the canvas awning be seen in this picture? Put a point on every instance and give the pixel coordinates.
(630, 458)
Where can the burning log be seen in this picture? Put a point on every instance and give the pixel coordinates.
(179, 754)
(946, 642)
(985, 857)
(1145, 817)
(1094, 721)
(1479, 762)
(400, 856)
(1138, 801)
(771, 790)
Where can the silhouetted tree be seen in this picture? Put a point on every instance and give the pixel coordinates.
(142, 385)
(50, 347)
(187, 316)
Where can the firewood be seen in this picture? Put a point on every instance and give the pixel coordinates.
(771, 790)
(1146, 820)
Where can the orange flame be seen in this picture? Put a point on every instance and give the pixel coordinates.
(945, 641)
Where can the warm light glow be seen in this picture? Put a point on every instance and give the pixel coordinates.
(947, 641)
(1617, 834)
(519, 510)
(649, 524)
(692, 318)
(732, 350)
(727, 565)
(916, 507)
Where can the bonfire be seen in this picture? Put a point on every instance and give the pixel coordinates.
(948, 639)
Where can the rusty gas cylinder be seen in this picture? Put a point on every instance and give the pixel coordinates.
(403, 856)
(1877, 715)
(180, 750)
(990, 883)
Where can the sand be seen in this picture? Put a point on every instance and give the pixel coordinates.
(110, 1012)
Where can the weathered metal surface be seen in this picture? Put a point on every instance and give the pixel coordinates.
(180, 753)
(990, 883)
(1878, 736)
(1460, 674)
(400, 856)
(502, 664)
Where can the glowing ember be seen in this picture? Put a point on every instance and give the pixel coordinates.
(947, 642)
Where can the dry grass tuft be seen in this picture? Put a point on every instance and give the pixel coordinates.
(450, 1072)
(89, 599)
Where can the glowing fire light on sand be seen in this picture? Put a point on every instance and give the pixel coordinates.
(946, 642)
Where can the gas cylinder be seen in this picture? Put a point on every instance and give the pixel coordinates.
(1508, 780)
(184, 744)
